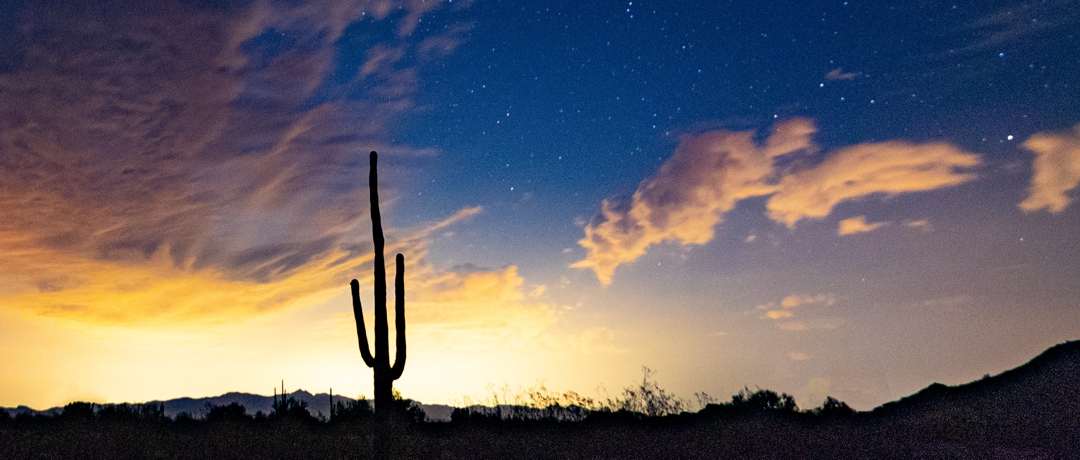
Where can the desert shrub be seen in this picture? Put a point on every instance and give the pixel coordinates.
(763, 400)
(290, 408)
(149, 412)
(648, 398)
(234, 412)
(77, 411)
(535, 403)
(472, 415)
(412, 411)
(352, 411)
(833, 407)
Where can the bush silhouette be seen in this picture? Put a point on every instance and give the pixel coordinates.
(78, 411)
(290, 408)
(352, 411)
(763, 400)
(234, 412)
(833, 407)
(407, 408)
(648, 398)
(131, 412)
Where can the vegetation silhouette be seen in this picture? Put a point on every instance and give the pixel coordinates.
(385, 374)
(1027, 412)
(387, 413)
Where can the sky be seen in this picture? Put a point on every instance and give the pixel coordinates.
(825, 198)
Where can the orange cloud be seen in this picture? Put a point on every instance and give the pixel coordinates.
(705, 177)
(858, 225)
(779, 314)
(155, 291)
(785, 313)
(790, 301)
(1057, 170)
(867, 169)
(710, 172)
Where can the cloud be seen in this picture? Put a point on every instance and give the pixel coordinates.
(165, 161)
(703, 179)
(155, 291)
(838, 74)
(858, 225)
(862, 170)
(710, 172)
(1016, 25)
(779, 314)
(785, 314)
(790, 301)
(1057, 170)
(921, 224)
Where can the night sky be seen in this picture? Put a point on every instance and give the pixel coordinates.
(854, 199)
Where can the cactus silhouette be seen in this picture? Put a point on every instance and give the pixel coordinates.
(385, 374)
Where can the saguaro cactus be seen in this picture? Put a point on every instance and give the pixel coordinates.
(385, 374)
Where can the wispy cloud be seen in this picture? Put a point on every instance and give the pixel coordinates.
(784, 312)
(921, 224)
(710, 172)
(165, 161)
(858, 224)
(798, 356)
(839, 74)
(1057, 170)
(1017, 24)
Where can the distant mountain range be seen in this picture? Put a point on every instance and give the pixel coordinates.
(317, 404)
(1034, 402)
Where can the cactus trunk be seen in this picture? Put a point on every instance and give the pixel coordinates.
(385, 374)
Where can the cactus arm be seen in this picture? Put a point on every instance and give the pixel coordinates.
(399, 318)
(361, 330)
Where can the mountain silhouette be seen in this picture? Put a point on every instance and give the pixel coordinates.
(197, 407)
(1034, 408)
(1048, 383)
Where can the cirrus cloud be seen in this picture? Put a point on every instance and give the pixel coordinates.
(184, 146)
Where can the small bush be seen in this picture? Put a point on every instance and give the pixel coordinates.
(648, 398)
(352, 411)
(232, 413)
(833, 407)
(78, 411)
(763, 400)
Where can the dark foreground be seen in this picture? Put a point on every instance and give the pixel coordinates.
(1031, 412)
(756, 435)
